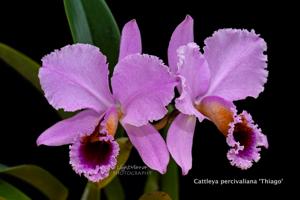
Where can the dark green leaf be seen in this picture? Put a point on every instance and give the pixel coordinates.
(91, 192)
(92, 22)
(40, 179)
(169, 181)
(21, 63)
(2, 167)
(114, 190)
(125, 149)
(9, 192)
(155, 196)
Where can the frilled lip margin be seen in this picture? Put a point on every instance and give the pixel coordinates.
(245, 139)
(94, 156)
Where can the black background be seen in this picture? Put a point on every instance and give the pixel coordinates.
(38, 27)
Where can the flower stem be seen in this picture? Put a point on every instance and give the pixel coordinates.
(166, 121)
(152, 182)
(170, 181)
(114, 190)
(91, 192)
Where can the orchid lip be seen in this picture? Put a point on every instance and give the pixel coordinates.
(242, 135)
(95, 150)
(94, 156)
(245, 140)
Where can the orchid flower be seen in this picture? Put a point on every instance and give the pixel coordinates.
(76, 78)
(232, 67)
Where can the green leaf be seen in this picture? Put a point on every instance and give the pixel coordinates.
(2, 166)
(40, 179)
(9, 192)
(114, 190)
(155, 196)
(169, 181)
(92, 22)
(152, 182)
(91, 192)
(21, 63)
(125, 149)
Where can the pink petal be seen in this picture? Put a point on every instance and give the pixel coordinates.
(194, 73)
(237, 63)
(65, 132)
(182, 35)
(76, 77)
(150, 145)
(130, 40)
(185, 104)
(193, 67)
(180, 141)
(143, 86)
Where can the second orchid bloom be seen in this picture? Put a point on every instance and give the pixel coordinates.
(75, 78)
(232, 67)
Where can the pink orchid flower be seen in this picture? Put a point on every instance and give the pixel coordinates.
(232, 67)
(76, 78)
